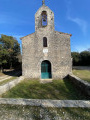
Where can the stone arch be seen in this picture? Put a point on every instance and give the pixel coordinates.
(46, 72)
(44, 18)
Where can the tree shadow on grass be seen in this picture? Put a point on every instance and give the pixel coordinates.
(58, 89)
(34, 90)
(76, 93)
(14, 73)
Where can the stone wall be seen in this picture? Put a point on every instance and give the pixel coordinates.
(80, 84)
(58, 54)
(9, 85)
(46, 103)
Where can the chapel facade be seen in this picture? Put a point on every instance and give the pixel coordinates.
(46, 53)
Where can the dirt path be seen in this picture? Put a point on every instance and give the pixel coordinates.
(5, 77)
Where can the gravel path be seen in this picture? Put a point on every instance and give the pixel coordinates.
(81, 67)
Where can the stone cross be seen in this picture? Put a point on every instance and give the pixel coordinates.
(43, 2)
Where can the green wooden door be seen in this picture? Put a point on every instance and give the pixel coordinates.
(46, 70)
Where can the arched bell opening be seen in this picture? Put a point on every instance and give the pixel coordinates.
(44, 18)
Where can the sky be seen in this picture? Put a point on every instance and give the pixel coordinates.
(71, 16)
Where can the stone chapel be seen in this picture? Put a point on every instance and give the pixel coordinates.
(46, 53)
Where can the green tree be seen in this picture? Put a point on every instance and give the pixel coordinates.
(82, 58)
(76, 58)
(85, 58)
(9, 50)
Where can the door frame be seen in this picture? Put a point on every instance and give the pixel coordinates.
(49, 73)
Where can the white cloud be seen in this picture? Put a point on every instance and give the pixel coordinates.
(80, 22)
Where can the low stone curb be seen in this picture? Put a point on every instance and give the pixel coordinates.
(46, 103)
(11, 84)
(84, 86)
(5, 78)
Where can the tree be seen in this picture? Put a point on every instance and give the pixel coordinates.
(82, 58)
(85, 58)
(9, 50)
(3, 56)
(76, 58)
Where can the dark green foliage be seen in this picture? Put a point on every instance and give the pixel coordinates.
(85, 58)
(76, 58)
(9, 50)
(81, 59)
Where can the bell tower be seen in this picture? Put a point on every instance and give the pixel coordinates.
(46, 52)
(44, 18)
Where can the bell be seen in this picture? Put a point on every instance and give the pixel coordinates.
(44, 18)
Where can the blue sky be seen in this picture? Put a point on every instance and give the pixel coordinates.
(71, 16)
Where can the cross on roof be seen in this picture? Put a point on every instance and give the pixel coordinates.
(43, 2)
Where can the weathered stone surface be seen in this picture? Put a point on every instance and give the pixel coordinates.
(9, 85)
(81, 84)
(45, 81)
(46, 103)
(59, 53)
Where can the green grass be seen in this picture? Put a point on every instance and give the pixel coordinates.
(7, 80)
(83, 74)
(40, 113)
(58, 89)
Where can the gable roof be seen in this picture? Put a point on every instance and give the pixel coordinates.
(64, 33)
(26, 36)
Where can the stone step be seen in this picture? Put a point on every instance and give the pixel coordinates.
(45, 80)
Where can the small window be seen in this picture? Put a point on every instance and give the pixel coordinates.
(44, 18)
(44, 42)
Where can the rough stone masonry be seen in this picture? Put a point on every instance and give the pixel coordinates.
(46, 53)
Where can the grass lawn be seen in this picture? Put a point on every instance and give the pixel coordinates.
(40, 113)
(7, 80)
(83, 74)
(58, 89)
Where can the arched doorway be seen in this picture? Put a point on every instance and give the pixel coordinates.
(46, 70)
